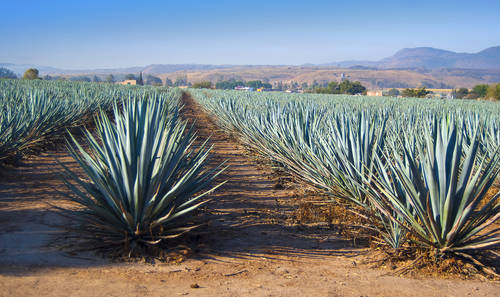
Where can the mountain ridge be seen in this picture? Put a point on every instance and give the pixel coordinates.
(407, 58)
(431, 58)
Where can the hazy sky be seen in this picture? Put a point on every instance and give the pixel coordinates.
(99, 34)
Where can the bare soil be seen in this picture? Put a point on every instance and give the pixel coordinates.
(251, 247)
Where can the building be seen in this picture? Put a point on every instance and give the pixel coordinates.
(131, 82)
(242, 88)
(342, 77)
(374, 93)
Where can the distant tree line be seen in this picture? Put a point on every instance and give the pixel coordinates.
(202, 85)
(7, 73)
(418, 93)
(479, 91)
(393, 92)
(323, 87)
(345, 87)
(232, 83)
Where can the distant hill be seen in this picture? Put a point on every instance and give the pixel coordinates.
(371, 78)
(432, 58)
(19, 69)
(411, 67)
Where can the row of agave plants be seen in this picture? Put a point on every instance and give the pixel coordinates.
(32, 112)
(421, 168)
(142, 174)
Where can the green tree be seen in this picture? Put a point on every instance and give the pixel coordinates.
(110, 78)
(153, 80)
(348, 87)
(130, 76)
(461, 93)
(181, 81)
(202, 85)
(96, 79)
(479, 91)
(229, 84)
(80, 78)
(493, 92)
(7, 73)
(168, 82)
(393, 92)
(418, 93)
(256, 84)
(31, 73)
(139, 80)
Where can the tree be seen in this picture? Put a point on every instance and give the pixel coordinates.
(314, 84)
(493, 92)
(418, 93)
(31, 73)
(331, 88)
(181, 81)
(153, 80)
(130, 76)
(203, 85)
(256, 84)
(7, 73)
(345, 87)
(168, 82)
(393, 92)
(139, 80)
(461, 93)
(110, 79)
(348, 87)
(228, 84)
(479, 91)
(80, 78)
(96, 79)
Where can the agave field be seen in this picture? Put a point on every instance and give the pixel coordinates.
(420, 169)
(33, 111)
(143, 177)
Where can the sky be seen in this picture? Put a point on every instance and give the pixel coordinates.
(88, 34)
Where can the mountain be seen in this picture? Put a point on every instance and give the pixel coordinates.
(432, 58)
(409, 67)
(19, 69)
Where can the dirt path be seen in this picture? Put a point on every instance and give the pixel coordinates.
(250, 249)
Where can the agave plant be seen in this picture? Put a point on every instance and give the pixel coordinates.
(440, 196)
(144, 180)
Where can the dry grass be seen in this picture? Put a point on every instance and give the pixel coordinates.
(301, 74)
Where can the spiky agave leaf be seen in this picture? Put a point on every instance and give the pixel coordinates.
(144, 178)
(392, 228)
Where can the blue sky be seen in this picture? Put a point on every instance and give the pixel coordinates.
(100, 34)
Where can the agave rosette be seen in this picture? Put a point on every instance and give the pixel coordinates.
(145, 180)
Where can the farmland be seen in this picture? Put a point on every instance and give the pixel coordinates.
(139, 178)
